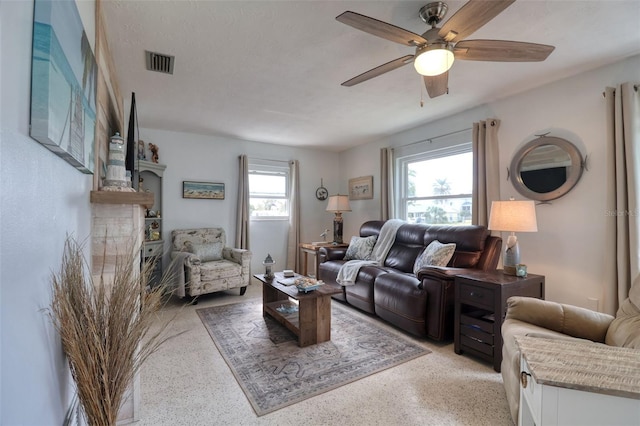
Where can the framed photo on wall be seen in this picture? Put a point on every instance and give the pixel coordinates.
(203, 190)
(361, 188)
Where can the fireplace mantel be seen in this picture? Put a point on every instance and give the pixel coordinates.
(145, 199)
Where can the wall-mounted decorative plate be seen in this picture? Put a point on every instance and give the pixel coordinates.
(321, 192)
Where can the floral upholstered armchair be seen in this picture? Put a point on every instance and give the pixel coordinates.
(204, 264)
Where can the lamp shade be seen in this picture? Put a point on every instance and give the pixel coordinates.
(513, 216)
(338, 203)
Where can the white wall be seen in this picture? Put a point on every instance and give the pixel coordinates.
(569, 247)
(42, 199)
(215, 159)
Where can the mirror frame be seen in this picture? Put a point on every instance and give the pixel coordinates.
(572, 179)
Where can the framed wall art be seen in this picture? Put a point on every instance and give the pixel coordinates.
(203, 190)
(361, 188)
(63, 84)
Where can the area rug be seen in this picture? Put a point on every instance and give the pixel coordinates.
(274, 372)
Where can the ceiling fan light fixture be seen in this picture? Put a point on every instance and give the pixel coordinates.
(434, 59)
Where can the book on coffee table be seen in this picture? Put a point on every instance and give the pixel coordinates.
(287, 281)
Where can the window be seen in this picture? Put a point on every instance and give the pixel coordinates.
(435, 187)
(268, 190)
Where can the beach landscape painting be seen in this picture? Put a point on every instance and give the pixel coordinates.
(203, 190)
(63, 84)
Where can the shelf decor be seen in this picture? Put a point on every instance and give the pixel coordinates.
(63, 84)
(203, 190)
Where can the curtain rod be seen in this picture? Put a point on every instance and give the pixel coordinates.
(269, 159)
(435, 137)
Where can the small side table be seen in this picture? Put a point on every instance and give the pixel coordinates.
(565, 382)
(312, 248)
(480, 307)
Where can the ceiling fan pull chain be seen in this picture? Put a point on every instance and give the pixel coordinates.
(421, 94)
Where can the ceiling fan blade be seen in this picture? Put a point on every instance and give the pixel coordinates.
(437, 85)
(381, 29)
(389, 66)
(501, 51)
(470, 17)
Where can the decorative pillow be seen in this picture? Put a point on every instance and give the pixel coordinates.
(436, 254)
(206, 252)
(360, 248)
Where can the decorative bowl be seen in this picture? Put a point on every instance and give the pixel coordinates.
(306, 285)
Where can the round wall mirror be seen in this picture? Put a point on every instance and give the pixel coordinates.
(546, 168)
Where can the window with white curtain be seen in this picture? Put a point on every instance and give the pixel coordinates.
(435, 186)
(268, 190)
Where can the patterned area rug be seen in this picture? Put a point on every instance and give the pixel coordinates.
(274, 372)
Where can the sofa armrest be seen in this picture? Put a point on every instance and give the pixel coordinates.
(239, 256)
(566, 319)
(190, 259)
(440, 272)
(331, 253)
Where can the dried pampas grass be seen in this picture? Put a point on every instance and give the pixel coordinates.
(104, 328)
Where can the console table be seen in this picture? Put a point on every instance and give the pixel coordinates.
(565, 382)
(480, 307)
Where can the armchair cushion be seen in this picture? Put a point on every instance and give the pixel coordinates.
(206, 252)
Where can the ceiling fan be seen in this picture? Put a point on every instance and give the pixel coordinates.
(437, 48)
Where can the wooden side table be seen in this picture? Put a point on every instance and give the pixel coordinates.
(480, 307)
(565, 382)
(312, 248)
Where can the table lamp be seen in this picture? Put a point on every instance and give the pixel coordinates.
(338, 204)
(512, 216)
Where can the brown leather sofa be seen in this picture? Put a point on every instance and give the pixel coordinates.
(421, 304)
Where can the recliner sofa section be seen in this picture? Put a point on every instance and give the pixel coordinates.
(423, 303)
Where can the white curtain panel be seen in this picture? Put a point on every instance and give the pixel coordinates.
(293, 253)
(387, 206)
(486, 169)
(623, 192)
(242, 219)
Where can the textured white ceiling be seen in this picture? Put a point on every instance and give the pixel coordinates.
(270, 71)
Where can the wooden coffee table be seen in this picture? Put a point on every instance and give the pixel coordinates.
(311, 321)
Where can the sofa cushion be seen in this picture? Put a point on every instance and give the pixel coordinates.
(400, 299)
(205, 251)
(436, 254)
(360, 248)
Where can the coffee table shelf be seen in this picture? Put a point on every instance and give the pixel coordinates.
(312, 321)
(289, 320)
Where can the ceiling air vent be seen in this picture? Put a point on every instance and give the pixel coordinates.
(159, 62)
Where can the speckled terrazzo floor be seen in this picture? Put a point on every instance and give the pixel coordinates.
(187, 382)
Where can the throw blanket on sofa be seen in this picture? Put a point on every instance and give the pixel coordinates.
(176, 273)
(349, 271)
